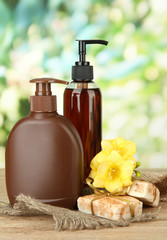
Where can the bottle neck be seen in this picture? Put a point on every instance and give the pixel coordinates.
(40, 115)
(43, 104)
(82, 85)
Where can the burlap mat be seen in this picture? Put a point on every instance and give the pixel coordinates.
(159, 178)
(74, 220)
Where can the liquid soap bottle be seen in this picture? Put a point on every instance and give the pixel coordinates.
(82, 105)
(44, 154)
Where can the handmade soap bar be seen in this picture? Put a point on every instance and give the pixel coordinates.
(146, 192)
(114, 208)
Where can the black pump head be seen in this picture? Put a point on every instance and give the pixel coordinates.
(82, 47)
(82, 71)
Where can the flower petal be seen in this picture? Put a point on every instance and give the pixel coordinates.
(92, 174)
(102, 171)
(127, 182)
(107, 145)
(132, 159)
(115, 156)
(114, 186)
(126, 170)
(98, 183)
(100, 157)
(118, 142)
(129, 148)
(94, 164)
(132, 162)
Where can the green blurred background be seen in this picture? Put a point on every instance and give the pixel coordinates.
(37, 38)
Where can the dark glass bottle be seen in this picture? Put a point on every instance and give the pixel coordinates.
(82, 106)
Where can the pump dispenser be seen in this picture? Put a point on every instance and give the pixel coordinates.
(82, 104)
(82, 71)
(44, 155)
(43, 101)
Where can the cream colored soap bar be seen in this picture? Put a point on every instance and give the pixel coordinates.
(146, 192)
(112, 208)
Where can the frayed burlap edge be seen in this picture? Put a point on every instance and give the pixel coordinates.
(66, 219)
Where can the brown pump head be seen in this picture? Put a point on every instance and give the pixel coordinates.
(44, 101)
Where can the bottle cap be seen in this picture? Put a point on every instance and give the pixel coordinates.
(82, 71)
(44, 101)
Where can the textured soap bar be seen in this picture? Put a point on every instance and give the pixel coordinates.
(112, 208)
(146, 192)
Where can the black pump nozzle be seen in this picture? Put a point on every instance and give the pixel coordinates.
(82, 71)
(82, 47)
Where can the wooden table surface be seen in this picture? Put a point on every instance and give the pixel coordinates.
(42, 227)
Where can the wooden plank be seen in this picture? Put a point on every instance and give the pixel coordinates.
(42, 227)
(3, 193)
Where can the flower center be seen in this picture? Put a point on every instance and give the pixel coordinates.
(112, 173)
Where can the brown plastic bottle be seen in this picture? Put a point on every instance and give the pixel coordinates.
(82, 105)
(44, 155)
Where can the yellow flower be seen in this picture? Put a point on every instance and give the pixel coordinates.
(125, 148)
(113, 167)
(113, 174)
